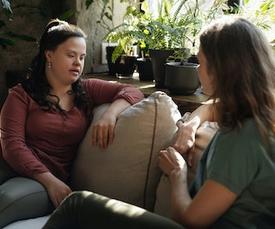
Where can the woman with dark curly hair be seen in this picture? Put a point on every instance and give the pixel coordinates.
(45, 118)
(234, 187)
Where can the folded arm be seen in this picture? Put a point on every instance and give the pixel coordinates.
(121, 96)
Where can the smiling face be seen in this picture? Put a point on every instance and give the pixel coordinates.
(67, 61)
(205, 78)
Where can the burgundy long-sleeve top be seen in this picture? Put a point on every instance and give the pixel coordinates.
(36, 141)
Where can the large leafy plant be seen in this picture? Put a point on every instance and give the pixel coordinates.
(131, 32)
(175, 25)
(178, 23)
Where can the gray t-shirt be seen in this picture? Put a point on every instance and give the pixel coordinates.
(239, 160)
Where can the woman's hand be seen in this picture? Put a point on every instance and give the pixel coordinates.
(173, 164)
(57, 189)
(103, 130)
(185, 139)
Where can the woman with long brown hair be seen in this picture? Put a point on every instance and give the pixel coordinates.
(234, 187)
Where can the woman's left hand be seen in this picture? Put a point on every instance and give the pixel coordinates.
(171, 161)
(103, 131)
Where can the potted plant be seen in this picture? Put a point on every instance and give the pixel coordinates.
(162, 39)
(135, 30)
(144, 63)
(172, 29)
(181, 75)
(120, 57)
(141, 29)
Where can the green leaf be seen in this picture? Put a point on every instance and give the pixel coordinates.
(264, 7)
(4, 42)
(117, 53)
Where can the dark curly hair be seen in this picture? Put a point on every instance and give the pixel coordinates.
(36, 83)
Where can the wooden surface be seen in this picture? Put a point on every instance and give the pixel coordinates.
(184, 102)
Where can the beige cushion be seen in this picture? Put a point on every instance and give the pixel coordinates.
(127, 170)
(203, 136)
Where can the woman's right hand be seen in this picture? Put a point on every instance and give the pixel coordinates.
(173, 165)
(185, 138)
(57, 189)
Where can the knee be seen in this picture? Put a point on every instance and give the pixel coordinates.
(22, 198)
(78, 197)
(20, 189)
(83, 200)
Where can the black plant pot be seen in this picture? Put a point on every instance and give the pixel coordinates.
(158, 58)
(111, 65)
(181, 79)
(193, 59)
(124, 66)
(145, 70)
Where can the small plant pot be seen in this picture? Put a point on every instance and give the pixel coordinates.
(181, 79)
(193, 59)
(159, 58)
(145, 70)
(124, 66)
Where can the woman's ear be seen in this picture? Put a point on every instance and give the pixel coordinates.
(48, 55)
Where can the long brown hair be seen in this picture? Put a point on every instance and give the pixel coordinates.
(242, 66)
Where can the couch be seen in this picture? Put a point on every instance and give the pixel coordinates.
(127, 170)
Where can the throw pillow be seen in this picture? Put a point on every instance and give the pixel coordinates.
(128, 169)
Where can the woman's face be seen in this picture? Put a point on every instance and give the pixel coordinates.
(205, 78)
(67, 61)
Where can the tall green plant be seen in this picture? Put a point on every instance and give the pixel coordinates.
(262, 15)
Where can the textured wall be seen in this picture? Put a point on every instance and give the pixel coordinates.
(87, 20)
